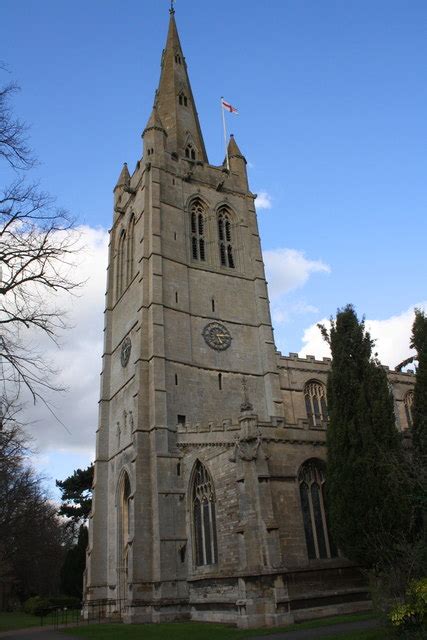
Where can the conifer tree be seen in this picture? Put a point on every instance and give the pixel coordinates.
(366, 488)
(419, 407)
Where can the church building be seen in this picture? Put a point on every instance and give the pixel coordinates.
(210, 464)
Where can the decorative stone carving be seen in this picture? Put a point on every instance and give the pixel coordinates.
(246, 448)
(125, 351)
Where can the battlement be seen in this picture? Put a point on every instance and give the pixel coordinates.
(295, 358)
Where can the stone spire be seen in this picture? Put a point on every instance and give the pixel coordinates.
(154, 122)
(124, 177)
(174, 100)
(233, 149)
(237, 163)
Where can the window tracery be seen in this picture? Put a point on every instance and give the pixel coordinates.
(408, 402)
(311, 479)
(203, 516)
(315, 403)
(190, 152)
(198, 223)
(226, 251)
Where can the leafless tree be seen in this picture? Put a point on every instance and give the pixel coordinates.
(13, 132)
(38, 246)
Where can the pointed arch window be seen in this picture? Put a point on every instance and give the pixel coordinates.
(182, 99)
(203, 517)
(315, 403)
(311, 479)
(131, 250)
(178, 58)
(225, 239)
(123, 534)
(198, 224)
(190, 152)
(408, 402)
(121, 264)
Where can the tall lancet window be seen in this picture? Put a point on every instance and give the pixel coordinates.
(315, 403)
(121, 261)
(198, 224)
(311, 479)
(130, 250)
(408, 402)
(123, 534)
(203, 511)
(225, 239)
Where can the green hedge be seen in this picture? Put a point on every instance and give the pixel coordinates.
(41, 606)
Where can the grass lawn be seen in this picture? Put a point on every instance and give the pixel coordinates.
(199, 631)
(17, 620)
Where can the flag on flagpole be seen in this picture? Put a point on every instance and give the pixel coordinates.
(228, 107)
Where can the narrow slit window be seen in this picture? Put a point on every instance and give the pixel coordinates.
(220, 381)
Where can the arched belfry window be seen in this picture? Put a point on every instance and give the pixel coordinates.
(203, 517)
(131, 250)
(315, 403)
(123, 525)
(408, 402)
(121, 263)
(225, 239)
(198, 224)
(311, 479)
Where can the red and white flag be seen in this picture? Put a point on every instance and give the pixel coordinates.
(228, 107)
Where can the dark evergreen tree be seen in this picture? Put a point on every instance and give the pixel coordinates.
(74, 565)
(76, 495)
(419, 407)
(367, 493)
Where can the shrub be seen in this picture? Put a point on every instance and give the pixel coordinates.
(37, 606)
(40, 606)
(410, 617)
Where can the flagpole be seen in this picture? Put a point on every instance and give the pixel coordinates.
(225, 135)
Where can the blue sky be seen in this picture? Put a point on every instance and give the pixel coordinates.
(332, 100)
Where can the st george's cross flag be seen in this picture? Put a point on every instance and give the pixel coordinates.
(228, 107)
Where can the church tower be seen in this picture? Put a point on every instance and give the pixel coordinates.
(209, 476)
(187, 320)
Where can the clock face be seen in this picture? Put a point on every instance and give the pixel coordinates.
(217, 336)
(125, 351)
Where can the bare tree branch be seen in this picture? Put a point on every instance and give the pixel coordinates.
(38, 248)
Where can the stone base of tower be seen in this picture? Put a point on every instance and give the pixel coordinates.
(254, 600)
(279, 599)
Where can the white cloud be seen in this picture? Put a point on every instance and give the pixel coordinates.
(289, 269)
(282, 313)
(391, 335)
(263, 200)
(77, 360)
